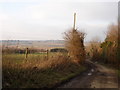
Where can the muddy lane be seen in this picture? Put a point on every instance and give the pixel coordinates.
(97, 76)
(105, 78)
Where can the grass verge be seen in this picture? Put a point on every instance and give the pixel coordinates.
(37, 72)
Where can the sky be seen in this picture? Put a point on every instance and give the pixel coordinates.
(49, 19)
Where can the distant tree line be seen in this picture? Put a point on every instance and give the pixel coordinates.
(31, 50)
(58, 50)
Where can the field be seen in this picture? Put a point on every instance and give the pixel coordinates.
(36, 71)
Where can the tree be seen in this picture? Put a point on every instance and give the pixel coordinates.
(74, 42)
(110, 45)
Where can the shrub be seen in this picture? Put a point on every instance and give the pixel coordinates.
(74, 42)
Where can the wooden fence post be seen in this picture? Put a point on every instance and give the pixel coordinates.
(47, 54)
(26, 53)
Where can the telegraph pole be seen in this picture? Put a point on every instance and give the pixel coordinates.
(74, 21)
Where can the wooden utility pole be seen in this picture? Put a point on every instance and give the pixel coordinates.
(74, 21)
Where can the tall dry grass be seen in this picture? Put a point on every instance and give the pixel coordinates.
(37, 72)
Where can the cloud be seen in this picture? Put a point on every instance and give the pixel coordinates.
(48, 20)
(58, 1)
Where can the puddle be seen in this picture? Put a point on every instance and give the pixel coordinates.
(89, 74)
(92, 70)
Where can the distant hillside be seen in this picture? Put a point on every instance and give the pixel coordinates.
(39, 44)
(45, 44)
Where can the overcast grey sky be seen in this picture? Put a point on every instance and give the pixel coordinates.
(49, 19)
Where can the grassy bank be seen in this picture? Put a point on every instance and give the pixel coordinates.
(37, 72)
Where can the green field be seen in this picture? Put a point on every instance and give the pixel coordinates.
(36, 71)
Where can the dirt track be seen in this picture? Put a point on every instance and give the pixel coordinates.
(97, 77)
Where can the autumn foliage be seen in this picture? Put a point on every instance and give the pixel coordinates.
(74, 42)
(107, 51)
